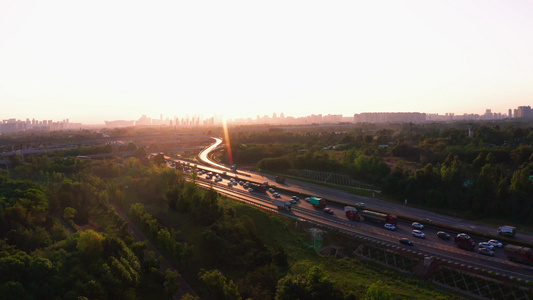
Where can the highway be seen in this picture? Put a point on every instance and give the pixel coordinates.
(302, 210)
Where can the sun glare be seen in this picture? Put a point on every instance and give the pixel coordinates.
(227, 141)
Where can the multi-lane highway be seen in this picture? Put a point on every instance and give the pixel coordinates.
(303, 210)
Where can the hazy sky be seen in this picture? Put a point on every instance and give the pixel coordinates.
(92, 61)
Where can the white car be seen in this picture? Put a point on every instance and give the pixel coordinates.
(250, 190)
(495, 243)
(419, 234)
(486, 245)
(389, 226)
(276, 195)
(417, 225)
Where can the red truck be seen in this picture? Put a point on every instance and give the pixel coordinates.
(523, 255)
(352, 213)
(317, 202)
(378, 217)
(258, 187)
(280, 179)
(464, 241)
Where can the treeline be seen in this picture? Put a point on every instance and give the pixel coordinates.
(437, 165)
(45, 253)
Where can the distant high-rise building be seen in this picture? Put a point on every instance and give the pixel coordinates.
(510, 113)
(281, 116)
(488, 114)
(525, 112)
(401, 117)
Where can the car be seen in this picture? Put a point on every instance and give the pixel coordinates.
(265, 183)
(276, 195)
(417, 225)
(307, 199)
(485, 251)
(419, 234)
(225, 173)
(218, 179)
(208, 177)
(271, 190)
(406, 241)
(273, 185)
(360, 205)
(229, 183)
(241, 182)
(295, 198)
(293, 201)
(485, 245)
(250, 190)
(443, 235)
(428, 220)
(495, 243)
(328, 211)
(389, 226)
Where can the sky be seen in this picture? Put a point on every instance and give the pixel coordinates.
(91, 61)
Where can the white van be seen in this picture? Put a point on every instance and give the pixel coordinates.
(507, 230)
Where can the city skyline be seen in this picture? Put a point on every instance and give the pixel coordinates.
(17, 125)
(96, 61)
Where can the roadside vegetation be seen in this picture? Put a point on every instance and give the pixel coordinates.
(437, 166)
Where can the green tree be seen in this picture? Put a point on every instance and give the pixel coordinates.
(377, 291)
(69, 213)
(90, 243)
(171, 282)
(217, 285)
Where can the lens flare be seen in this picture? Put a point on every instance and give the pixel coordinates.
(228, 144)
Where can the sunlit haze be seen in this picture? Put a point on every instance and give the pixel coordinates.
(92, 61)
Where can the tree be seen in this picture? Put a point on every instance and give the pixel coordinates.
(171, 282)
(90, 243)
(159, 159)
(217, 285)
(377, 291)
(69, 213)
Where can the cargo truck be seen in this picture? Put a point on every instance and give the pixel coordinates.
(374, 216)
(258, 187)
(464, 241)
(523, 255)
(352, 213)
(283, 204)
(317, 202)
(280, 179)
(507, 230)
